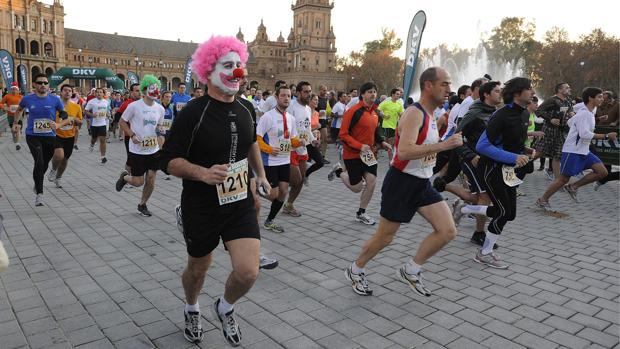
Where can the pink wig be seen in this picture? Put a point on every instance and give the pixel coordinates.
(207, 54)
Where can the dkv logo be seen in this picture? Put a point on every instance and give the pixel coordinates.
(83, 71)
(7, 67)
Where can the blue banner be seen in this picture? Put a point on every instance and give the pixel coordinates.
(8, 68)
(22, 75)
(413, 49)
(187, 74)
(133, 78)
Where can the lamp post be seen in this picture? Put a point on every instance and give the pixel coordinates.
(137, 60)
(20, 48)
(161, 67)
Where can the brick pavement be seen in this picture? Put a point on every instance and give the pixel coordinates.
(88, 272)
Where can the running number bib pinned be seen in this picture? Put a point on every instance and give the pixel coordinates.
(179, 106)
(285, 148)
(101, 114)
(235, 186)
(510, 178)
(69, 126)
(42, 125)
(13, 108)
(167, 124)
(148, 143)
(368, 158)
(429, 160)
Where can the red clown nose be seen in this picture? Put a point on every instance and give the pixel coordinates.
(238, 73)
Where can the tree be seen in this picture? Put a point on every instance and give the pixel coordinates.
(512, 40)
(389, 42)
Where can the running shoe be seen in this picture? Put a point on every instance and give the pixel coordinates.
(91, 148)
(571, 192)
(456, 211)
(306, 181)
(104, 160)
(597, 185)
(58, 183)
(491, 260)
(120, 183)
(290, 210)
(108, 141)
(439, 184)
(271, 225)
(414, 281)
(144, 211)
(38, 201)
(51, 175)
(167, 178)
(75, 147)
(18, 146)
(545, 205)
(478, 239)
(179, 217)
(549, 175)
(267, 263)
(193, 327)
(230, 328)
(358, 282)
(326, 162)
(364, 218)
(332, 174)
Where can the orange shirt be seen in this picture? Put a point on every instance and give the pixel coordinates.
(12, 101)
(74, 112)
(314, 120)
(363, 131)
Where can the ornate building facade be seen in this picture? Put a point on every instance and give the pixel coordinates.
(35, 35)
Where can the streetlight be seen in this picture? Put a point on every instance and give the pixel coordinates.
(137, 60)
(161, 66)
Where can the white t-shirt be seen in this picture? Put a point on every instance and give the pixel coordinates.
(100, 109)
(269, 104)
(302, 115)
(454, 112)
(337, 112)
(144, 121)
(353, 102)
(580, 133)
(271, 128)
(467, 102)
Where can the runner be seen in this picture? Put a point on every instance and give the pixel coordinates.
(180, 99)
(64, 136)
(337, 113)
(75, 98)
(277, 135)
(314, 151)
(134, 95)
(98, 109)
(10, 103)
(302, 113)
(40, 129)
(115, 104)
(576, 155)
(392, 109)
(360, 134)
(501, 148)
(407, 189)
(147, 119)
(212, 146)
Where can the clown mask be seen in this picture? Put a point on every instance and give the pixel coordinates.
(152, 92)
(222, 76)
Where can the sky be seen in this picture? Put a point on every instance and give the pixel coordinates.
(355, 22)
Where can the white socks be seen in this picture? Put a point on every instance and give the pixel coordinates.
(475, 209)
(412, 268)
(357, 270)
(4, 258)
(224, 307)
(192, 307)
(489, 242)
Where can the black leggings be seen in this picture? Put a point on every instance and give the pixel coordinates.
(315, 154)
(504, 198)
(42, 150)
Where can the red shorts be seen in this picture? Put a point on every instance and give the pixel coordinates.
(296, 158)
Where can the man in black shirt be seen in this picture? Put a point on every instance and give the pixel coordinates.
(212, 146)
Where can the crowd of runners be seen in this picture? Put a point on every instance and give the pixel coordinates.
(233, 145)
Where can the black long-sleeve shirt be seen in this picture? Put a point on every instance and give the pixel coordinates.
(507, 129)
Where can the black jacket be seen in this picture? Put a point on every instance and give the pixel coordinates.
(472, 125)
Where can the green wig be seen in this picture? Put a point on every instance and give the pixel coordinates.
(147, 81)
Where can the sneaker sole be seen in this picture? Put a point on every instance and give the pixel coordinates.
(404, 279)
(490, 265)
(216, 316)
(195, 341)
(269, 266)
(365, 223)
(346, 275)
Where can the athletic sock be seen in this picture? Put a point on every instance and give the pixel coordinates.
(192, 307)
(412, 268)
(357, 270)
(489, 242)
(276, 205)
(361, 211)
(224, 307)
(338, 172)
(475, 209)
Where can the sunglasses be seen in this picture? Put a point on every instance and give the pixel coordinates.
(41, 82)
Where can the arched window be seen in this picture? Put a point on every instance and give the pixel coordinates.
(34, 71)
(20, 46)
(48, 49)
(34, 48)
(49, 71)
(175, 82)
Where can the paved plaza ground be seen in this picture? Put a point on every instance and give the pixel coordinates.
(88, 272)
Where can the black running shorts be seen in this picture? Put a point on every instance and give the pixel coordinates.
(139, 164)
(402, 194)
(356, 169)
(66, 144)
(98, 131)
(277, 174)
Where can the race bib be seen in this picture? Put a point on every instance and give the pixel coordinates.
(167, 124)
(235, 186)
(100, 114)
(429, 160)
(13, 108)
(305, 136)
(69, 126)
(368, 157)
(148, 143)
(42, 126)
(510, 178)
(180, 106)
(285, 148)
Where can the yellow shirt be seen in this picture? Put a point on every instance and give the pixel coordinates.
(74, 112)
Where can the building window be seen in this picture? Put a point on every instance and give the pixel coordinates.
(48, 49)
(34, 48)
(52, 27)
(33, 25)
(44, 26)
(318, 24)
